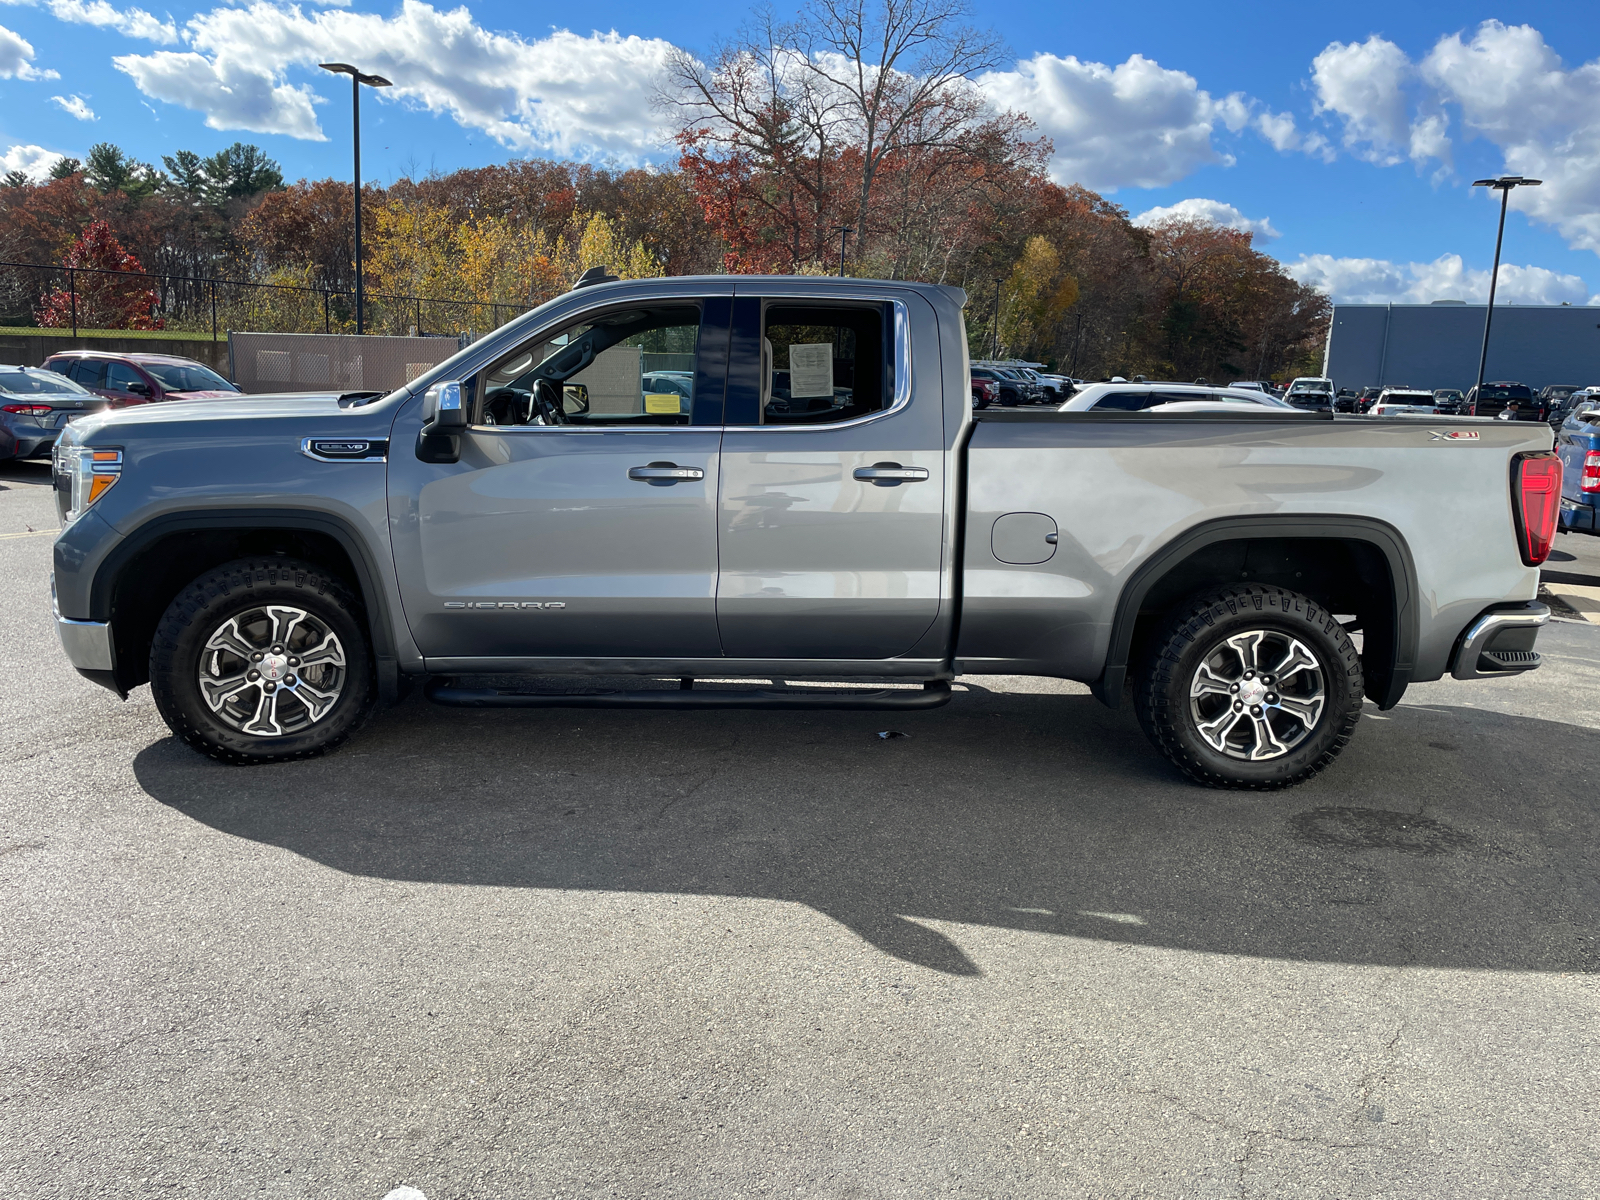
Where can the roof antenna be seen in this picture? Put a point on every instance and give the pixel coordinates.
(594, 275)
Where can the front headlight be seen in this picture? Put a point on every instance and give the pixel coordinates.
(83, 475)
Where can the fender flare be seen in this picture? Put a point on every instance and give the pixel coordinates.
(1379, 534)
(368, 572)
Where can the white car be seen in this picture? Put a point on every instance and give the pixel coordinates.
(1404, 402)
(1165, 397)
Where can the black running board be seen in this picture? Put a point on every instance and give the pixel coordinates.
(443, 690)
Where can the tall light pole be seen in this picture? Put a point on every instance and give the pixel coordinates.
(1503, 185)
(356, 80)
(844, 232)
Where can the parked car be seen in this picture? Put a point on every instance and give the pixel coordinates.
(35, 405)
(1578, 446)
(1152, 397)
(1449, 400)
(1313, 393)
(275, 574)
(1011, 390)
(1344, 400)
(1056, 387)
(1488, 401)
(1561, 410)
(984, 391)
(141, 378)
(1554, 395)
(1366, 397)
(1403, 402)
(1250, 385)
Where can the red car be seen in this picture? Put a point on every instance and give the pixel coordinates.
(140, 378)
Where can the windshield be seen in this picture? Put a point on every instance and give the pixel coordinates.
(1318, 387)
(1507, 393)
(187, 377)
(29, 382)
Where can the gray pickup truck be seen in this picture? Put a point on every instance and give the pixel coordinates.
(750, 478)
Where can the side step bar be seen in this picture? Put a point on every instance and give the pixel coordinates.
(444, 690)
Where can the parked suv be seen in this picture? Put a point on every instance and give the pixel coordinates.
(1488, 400)
(140, 378)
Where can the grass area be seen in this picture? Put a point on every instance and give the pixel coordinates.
(181, 335)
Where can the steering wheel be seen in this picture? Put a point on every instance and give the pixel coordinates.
(507, 406)
(546, 401)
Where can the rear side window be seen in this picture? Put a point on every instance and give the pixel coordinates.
(90, 372)
(822, 364)
(1129, 401)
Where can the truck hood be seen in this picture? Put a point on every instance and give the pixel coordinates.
(296, 407)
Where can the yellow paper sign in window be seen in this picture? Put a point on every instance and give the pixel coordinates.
(663, 402)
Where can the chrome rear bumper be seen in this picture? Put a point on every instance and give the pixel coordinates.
(1477, 656)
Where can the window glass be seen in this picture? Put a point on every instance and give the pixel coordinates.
(91, 372)
(1132, 400)
(188, 377)
(29, 382)
(619, 369)
(120, 377)
(822, 364)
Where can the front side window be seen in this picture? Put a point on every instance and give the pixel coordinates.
(1132, 400)
(822, 364)
(617, 370)
(120, 377)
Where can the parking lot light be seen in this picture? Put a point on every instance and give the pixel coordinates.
(1504, 185)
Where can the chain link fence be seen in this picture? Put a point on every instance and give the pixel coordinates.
(315, 362)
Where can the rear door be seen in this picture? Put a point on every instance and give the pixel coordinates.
(831, 519)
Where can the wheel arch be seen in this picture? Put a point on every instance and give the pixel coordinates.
(138, 580)
(1350, 564)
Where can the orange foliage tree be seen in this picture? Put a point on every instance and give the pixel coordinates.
(98, 297)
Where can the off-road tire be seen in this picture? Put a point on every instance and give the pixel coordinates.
(1194, 631)
(229, 591)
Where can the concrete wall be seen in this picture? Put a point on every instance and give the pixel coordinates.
(30, 350)
(1437, 345)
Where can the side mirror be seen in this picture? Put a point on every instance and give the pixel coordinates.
(444, 415)
(442, 407)
(139, 388)
(574, 399)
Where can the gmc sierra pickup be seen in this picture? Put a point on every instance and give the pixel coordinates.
(757, 477)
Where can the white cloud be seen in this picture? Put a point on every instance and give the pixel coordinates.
(76, 106)
(564, 94)
(1283, 135)
(1378, 281)
(33, 161)
(1364, 83)
(1137, 124)
(1214, 212)
(131, 22)
(16, 58)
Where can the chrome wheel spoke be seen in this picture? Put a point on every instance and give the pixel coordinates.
(284, 622)
(229, 638)
(1216, 732)
(265, 720)
(1208, 683)
(1247, 646)
(1305, 710)
(219, 691)
(1267, 744)
(327, 651)
(316, 700)
(1296, 659)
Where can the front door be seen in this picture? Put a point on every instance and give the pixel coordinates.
(580, 521)
(832, 530)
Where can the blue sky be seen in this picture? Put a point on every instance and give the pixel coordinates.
(1345, 136)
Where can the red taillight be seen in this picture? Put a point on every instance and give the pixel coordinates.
(1591, 471)
(27, 410)
(1537, 479)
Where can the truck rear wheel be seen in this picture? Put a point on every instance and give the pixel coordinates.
(262, 660)
(1250, 687)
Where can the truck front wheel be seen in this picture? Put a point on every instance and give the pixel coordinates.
(1250, 687)
(262, 660)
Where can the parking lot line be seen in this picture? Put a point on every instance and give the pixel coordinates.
(1585, 601)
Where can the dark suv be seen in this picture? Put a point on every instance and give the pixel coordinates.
(140, 378)
(1488, 400)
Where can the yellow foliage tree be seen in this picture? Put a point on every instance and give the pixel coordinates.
(1035, 299)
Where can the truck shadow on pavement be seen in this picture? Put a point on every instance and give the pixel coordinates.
(1443, 838)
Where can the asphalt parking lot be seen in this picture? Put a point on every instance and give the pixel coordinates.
(723, 954)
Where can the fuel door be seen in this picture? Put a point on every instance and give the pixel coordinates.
(1024, 538)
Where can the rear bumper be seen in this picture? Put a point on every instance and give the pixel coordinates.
(1577, 518)
(1500, 641)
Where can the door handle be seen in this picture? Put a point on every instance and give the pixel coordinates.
(890, 474)
(665, 474)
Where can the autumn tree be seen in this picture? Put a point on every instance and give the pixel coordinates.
(1034, 301)
(100, 299)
